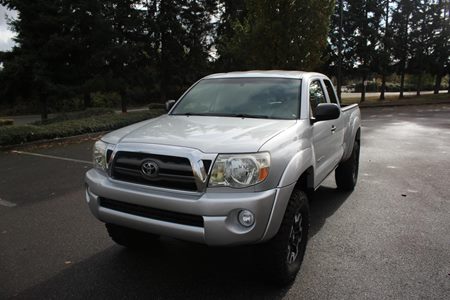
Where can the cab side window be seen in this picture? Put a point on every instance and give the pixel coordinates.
(316, 95)
(331, 93)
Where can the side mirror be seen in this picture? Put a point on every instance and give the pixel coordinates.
(169, 104)
(327, 111)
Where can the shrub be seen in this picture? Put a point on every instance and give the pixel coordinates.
(6, 122)
(110, 99)
(371, 87)
(12, 135)
(90, 112)
(157, 106)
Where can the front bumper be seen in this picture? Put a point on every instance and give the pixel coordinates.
(219, 210)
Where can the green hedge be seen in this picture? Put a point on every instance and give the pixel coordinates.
(157, 106)
(6, 122)
(13, 135)
(90, 112)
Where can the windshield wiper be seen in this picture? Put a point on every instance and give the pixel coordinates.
(224, 115)
(249, 116)
(192, 114)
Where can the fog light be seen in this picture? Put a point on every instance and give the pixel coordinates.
(246, 218)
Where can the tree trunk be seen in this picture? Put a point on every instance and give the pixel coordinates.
(385, 61)
(163, 82)
(44, 106)
(383, 86)
(363, 91)
(419, 84)
(339, 69)
(123, 97)
(402, 84)
(87, 100)
(437, 83)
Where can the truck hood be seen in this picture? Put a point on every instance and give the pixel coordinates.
(205, 133)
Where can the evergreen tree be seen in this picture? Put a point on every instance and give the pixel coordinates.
(401, 22)
(440, 56)
(421, 35)
(124, 54)
(44, 49)
(232, 13)
(179, 37)
(385, 55)
(281, 34)
(364, 35)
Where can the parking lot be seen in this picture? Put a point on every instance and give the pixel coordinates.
(390, 238)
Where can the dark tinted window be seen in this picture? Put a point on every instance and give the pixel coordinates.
(316, 95)
(331, 92)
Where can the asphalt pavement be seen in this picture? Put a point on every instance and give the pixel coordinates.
(389, 239)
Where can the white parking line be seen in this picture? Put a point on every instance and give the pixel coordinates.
(7, 203)
(53, 157)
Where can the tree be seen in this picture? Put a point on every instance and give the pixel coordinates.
(401, 20)
(281, 34)
(363, 29)
(124, 54)
(232, 13)
(90, 43)
(386, 51)
(44, 49)
(179, 37)
(339, 57)
(422, 28)
(440, 42)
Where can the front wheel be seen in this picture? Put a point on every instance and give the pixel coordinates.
(346, 174)
(284, 253)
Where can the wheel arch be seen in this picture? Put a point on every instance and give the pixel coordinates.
(305, 182)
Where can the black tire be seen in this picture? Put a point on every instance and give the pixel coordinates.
(282, 259)
(346, 174)
(130, 238)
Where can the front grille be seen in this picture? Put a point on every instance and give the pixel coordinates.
(152, 213)
(174, 172)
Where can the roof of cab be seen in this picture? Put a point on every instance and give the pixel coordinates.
(269, 74)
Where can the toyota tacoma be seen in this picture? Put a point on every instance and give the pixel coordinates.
(231, 163)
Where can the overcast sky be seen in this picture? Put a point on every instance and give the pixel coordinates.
(6, 35)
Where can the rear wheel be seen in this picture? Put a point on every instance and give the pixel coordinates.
(130, 238)
(346, 174)
(284, 253)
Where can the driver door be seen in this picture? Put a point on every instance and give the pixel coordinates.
(322, 134)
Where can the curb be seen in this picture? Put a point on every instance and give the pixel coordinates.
(87, 136)
(387, 104)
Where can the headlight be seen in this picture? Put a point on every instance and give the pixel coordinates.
(240, 170)
(99, 155)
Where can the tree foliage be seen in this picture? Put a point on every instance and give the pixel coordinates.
(154, 49)
(280, 34)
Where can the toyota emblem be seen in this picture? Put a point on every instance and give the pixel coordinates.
(149, 168)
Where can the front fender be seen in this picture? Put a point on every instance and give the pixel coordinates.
(301, 162)
(297, 166)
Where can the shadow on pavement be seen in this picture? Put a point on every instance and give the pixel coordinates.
(323, 204)
(173, 269)
(170, 270)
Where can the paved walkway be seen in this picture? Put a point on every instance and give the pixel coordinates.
(388, 94)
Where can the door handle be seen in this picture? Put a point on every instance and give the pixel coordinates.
(333, 129)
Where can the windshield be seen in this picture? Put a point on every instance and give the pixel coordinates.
(272, 98)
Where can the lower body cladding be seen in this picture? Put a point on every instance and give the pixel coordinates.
(210, 218)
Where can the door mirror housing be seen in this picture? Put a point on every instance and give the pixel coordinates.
(327, 111)
(170, 104)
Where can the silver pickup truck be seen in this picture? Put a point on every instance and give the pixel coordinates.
(231, 163)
